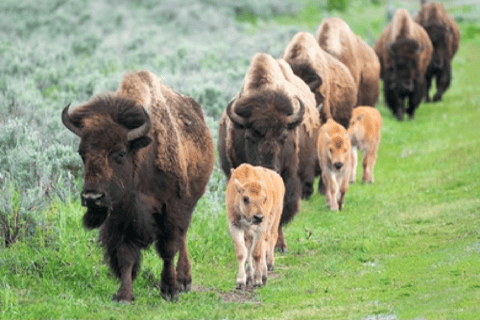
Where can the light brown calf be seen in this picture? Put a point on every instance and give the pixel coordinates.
(254, 207)
(364, 132)
(334, 154)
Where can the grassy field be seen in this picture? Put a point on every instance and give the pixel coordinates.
(406, 247)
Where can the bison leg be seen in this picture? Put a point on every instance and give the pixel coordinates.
(241, 252)
(281, 245)
(291, 205)
(184, 278)
(369, 158)
(258, 254)
(167, 248)
(428, 84)
(125, 263)
(353, 176)
(443, 82)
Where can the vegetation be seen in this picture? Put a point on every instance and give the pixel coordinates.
(406, 247)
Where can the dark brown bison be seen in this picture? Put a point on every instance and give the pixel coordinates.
(405, 51)
(335, 37)
(147, 156)
(329, 79)
(272, 122)
(445, 37)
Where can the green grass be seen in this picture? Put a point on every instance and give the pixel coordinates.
(406, 247)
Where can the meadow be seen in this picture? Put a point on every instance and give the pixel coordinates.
(405, 247)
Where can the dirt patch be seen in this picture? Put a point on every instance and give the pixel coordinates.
(235, 296)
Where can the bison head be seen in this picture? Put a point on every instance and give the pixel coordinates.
(111, 130)
(405, 56)
(251, 201)
(268, 121)
(338, 152)
(441, 37)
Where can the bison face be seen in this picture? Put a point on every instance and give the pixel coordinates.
(251, 202)
(338, 153)
(268, 122)
(111, 133)
(405, 55)
(440, 37)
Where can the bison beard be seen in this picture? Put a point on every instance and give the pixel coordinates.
(132, 192)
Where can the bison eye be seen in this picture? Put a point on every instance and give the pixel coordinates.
(246, 200)
(283, 136)
(119, 156)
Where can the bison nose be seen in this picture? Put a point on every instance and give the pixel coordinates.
(257, 219)
(408, 85)
(92, 199)
(338, 165)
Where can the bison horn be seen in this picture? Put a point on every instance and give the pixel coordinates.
(140, 131)
(234, 116)
(68, 123)
(295, 119)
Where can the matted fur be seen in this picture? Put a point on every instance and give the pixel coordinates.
(335, 37)
(254, 200)
(329, 79)
(180, 141)
(364, 132)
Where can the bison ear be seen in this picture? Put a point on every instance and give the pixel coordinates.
(238, 186)
(139, 143)
(360, 117)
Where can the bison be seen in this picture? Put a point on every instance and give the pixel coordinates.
(445, 36)
(335, 37)
(364, 133)
(272, 122)
(405, 51)
(148, 155)
(254, 207)
(334, 154)
(329, 79)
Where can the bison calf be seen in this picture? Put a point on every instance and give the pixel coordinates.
(254, 207)
(334, 154)
(364, 132)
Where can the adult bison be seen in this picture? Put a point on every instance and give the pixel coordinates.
(328, 78)
(405, 51)
(335, 37)
(147, 156)
(272, 122)
(445, 37)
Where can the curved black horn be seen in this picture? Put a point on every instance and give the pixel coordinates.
(295, 119)
(234, 116)
(140, 131)
(68, 123)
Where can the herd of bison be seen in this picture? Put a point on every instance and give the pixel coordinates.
(148, 153)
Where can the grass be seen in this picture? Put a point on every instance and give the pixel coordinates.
(406, 247)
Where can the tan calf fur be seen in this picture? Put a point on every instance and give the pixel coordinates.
(254, 207)
(364, 131)
(334, 154)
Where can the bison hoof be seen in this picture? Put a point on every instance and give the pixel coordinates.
(123, 299)
(264, 280)
(240, 286)
(437, 98)
(281, 248)
(169, 293)
(270, 267)
(184, 284)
